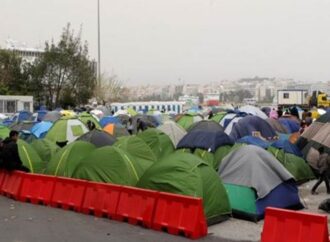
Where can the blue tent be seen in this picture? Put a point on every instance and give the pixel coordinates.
(41, 114)
(18, 117)
(291, 125)
(287, 146)
(207, 140)
(40, 129)
(284, 195)
(251, 140)
(249, 124)
(109, 120)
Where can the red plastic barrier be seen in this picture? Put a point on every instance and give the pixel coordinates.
(68, 193)
(37, 189)
(180, 215)
(136, 206)
(101, 199)
(2, 177)
(12, 182)
(291, 226)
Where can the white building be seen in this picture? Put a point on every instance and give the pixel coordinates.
(12, 104)
(26, 53)
(171, 106)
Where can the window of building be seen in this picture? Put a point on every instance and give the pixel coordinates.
(26, 106)
(286, 95)
(10, 106)
(168, 107)
(1, 106)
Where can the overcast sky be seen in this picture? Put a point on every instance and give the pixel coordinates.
(151, 41)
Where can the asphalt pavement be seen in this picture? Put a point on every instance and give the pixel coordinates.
(24, 222)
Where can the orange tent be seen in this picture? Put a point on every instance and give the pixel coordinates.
(116, 130)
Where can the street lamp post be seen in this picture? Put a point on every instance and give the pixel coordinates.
(98, 45)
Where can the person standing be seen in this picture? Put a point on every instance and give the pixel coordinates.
(319, 161)
(10, 156)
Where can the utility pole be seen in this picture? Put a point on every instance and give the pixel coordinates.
(98, 45)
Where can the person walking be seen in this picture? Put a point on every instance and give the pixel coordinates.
(319, 161)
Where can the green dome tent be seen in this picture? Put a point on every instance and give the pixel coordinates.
(186, 174)
(111, 165)
(4, 131)
(218, 116)
(66, 129)
(186, 120)
(294, 164)
(30, 157)
(159, 142)
(85, 117)
(138, 149)
(66, 159)
(45, 148)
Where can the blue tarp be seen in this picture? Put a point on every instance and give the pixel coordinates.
(40, 129)
(109, 120)
(249, 124)
(207, 140)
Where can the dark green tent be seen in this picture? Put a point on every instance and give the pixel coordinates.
(111, 165)
(159, 142)
(138, 149)
(186, 174)
(64, 162)
(297, 166)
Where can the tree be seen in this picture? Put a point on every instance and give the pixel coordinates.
(64, 72)
(110, 90)
(11, 76)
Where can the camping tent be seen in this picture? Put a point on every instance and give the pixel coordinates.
(66, 129)
(187, 174)
(206, 125)
(291, 125)
(218, 116)
(64, 162)
(4, 131)
(52, 116)
(85, 117)
(173, 130)
(294, 164)
(138, 149)
(255, 111)
(40, 129)
(253, 175)
(186, 120)
(111, 165)
(24, 125)
(116, 130)
(98, 138)
(109, 120)
(249, 124)
(45, 148)
(159, 142)
(277, 126)
(204, 139)
(30, 157)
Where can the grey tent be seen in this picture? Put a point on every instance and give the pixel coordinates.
(173, 130)
(252, 166)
